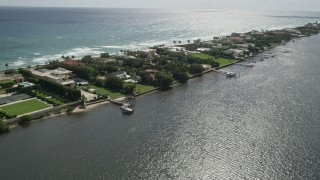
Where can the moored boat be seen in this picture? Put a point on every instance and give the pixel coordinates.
(230, 74)
(126, 109)
(250, 65)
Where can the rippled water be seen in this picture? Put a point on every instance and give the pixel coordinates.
(263, 125)
(31, 36)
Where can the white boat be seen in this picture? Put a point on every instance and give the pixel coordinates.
(250, 65)
(230, 74)
(127, 105)
(126, 109)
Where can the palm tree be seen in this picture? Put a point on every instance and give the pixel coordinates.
(7, 65)
(188, 41)
(174, 42)
(179, 42)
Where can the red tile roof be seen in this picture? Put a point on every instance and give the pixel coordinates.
(72, 62)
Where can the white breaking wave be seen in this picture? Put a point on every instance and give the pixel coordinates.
(135, 45)
(83, 51)
(36, 54)
(130, 46)
(148, 43)
(113, 47)
(18, 63)
(77, 52)
(225, 33)
(280, 27)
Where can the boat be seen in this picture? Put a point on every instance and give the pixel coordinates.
(230, 74)
(126, 109)
(250, 65)
(127, 105)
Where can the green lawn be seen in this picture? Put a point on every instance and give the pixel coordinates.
(24, 107)
(50, 99)
(202, 56)
(6, 81)
(222, 61)
(142, 88)
(107, 92)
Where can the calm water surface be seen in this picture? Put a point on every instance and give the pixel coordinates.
(263, 125)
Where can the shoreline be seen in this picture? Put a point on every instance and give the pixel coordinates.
(89, 107)
(95, 105)
(77, 110)
(98, 103)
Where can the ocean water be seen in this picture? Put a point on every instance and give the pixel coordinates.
(31, 36)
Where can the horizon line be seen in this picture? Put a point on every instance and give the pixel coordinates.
(160, 8)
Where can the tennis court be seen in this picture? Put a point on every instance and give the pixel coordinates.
(13, 98)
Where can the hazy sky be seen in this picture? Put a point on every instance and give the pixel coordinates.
(282, 5)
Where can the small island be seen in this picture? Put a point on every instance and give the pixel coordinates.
(66, 84)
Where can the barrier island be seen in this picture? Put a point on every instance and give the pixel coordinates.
(67, 83)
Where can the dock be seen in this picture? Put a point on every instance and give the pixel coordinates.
(126, 104)
(119, 103)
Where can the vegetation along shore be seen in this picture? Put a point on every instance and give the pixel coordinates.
(69, 83)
